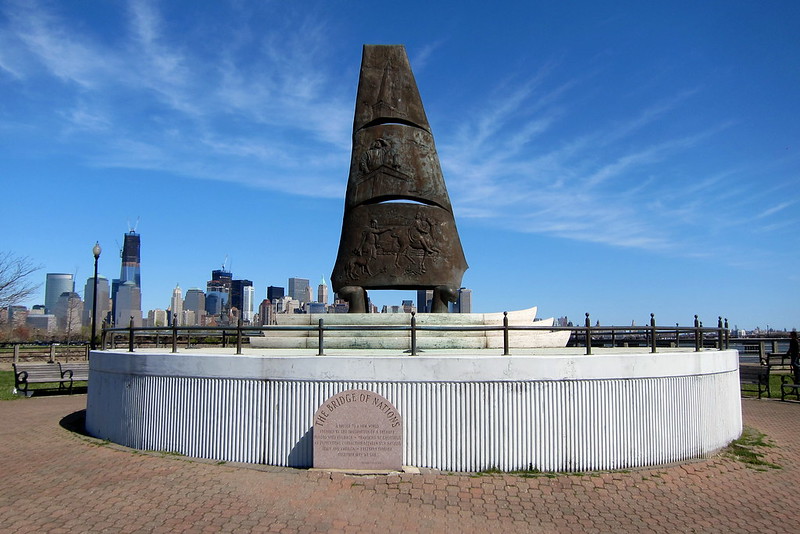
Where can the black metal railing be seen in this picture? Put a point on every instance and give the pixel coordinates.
(588, 336)
(755, 349)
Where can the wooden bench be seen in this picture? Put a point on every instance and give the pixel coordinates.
(788, 386)
(77, 371)
(48, 373)
(776, 362)
(37, 373)
(755, 374)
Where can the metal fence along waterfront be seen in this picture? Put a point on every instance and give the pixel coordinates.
(587, 336)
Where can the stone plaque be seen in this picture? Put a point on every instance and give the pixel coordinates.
(358, 429)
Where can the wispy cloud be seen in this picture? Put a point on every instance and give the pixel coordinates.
(598, 187)
(58, 50)
(144, 100)
(422, 56)
(774, 209)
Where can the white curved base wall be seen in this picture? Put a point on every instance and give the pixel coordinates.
(460, 412)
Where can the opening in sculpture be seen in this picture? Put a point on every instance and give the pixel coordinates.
(398, 229)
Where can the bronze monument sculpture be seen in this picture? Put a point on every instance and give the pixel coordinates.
(398, 230)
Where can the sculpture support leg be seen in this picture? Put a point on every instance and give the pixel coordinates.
(441, 296)
(356, 297)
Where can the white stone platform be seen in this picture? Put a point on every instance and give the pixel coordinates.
(363, 331)
(463, 410)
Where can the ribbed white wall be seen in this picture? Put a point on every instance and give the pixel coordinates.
(549, 425)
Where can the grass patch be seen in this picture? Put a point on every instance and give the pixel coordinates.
(744, 449)
(751, 390)
(523, 473)
(488, 472)
(167, 453)
(7, 386)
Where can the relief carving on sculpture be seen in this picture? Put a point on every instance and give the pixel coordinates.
(400, 249)
(398, 229)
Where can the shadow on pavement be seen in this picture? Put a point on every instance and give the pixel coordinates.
(53, 392)
(75, 422)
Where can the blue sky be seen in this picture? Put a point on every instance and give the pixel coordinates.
(617, 158)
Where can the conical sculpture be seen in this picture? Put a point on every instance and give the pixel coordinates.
(398, 230)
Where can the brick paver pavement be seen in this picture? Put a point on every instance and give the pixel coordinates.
(54, 480)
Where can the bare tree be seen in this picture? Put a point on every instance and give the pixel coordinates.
(72, 319)
(14, 272)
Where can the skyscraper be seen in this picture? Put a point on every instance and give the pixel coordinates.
(176, 306)
(218, 292)
(298, 289)
(129, 272)
(17, 315)
(265, 312)
(248, 297)
(68, 311)
(56, 284)
(213, 303)
(424, 298)
(128, 305)
(309, 294)
(242, 298)
(195, 301)
(131, 259)
(322, 292)
(157, 318)
(103, 295)
(274, 293)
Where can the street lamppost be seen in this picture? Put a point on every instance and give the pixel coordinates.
(96, 251)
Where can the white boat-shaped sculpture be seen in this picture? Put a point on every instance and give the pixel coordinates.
(487, 333)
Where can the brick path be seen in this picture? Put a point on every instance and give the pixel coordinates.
(54, 480)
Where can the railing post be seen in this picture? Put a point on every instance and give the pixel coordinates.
(224, 345)
(505, 334)
(16, 352)
(720, 334)
(130, 335)
(174, 333)
(588, 334)
(613, 337)
(413, 333)
(727, 335)
(696, 334)
(321, 343)
(239, 335)
(653, 333)
(52, 353)
(103, 336)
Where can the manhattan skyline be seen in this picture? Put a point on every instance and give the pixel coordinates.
(618, 160)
